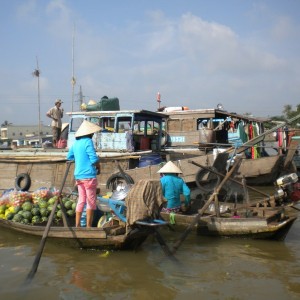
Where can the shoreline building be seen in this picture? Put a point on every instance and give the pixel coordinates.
(24, 135)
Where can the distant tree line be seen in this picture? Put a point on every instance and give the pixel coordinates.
(289, 113)
(5, 123)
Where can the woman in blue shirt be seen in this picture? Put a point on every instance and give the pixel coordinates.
(86, 169)
(172, 187)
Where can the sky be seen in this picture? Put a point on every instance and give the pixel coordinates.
(243, 54)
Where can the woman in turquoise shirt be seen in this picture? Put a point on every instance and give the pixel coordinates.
(172, 187)
(86, 169)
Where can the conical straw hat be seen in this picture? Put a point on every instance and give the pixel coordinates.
(170, 167)
(87, 128)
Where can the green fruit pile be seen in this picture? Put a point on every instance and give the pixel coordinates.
(37, 211)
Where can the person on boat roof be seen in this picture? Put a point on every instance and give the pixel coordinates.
(86, 169)
(56, 113)
(172, 187)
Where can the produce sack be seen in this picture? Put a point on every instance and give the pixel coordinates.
(41, 194)
(17, 198)
(109, 103)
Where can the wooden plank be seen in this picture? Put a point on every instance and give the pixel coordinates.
(291, 152)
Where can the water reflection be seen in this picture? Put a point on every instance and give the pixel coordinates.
(210, 268)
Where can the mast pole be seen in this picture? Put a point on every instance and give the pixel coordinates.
(37, 74)
(73, 80)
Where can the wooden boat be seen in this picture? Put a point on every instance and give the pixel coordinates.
(120, 162)
(44, 167)
(260, 219)
(200, 132)
(115, 231)
(83, 237)
(257, 223)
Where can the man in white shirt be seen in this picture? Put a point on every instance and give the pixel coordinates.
(56, 114)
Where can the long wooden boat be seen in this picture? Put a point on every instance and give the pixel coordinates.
(203, 131)
(82, 237)
(264, 223)
(121, 163)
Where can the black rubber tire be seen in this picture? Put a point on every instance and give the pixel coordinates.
(23, 182)
(211, 183)
(112, 179)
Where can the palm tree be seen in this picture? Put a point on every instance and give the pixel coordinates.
(5, 123)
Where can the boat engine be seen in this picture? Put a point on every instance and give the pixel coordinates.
(287, 187)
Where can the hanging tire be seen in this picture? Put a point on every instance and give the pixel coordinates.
(23, 182)
(206, 180)
(118, 179)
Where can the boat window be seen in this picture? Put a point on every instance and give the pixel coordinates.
(123, 124)
(75, 123)
(95, 120)
(107, 124)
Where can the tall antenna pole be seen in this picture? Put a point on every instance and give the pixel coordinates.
(36, 73)
(73, 80)
(80, 96)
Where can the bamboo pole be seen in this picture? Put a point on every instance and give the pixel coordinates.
(206, 205)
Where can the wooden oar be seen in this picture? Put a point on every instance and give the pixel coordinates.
(206, 205)
(45, 235)
(162, 242)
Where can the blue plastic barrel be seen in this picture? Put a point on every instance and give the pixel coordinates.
(83, 217)
(151, 159)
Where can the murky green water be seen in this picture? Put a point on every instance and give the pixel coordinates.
(206, 268)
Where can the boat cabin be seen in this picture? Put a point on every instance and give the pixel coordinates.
(123, 130)
(210, 127)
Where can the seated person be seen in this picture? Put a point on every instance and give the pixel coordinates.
(172, 187)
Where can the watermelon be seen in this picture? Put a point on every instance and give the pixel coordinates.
(36, 219)
(43, 203)
(17, 209)
(44, 212)
(74, 206)
(27, 206)
(18, 218)
(71, 213)
(27, 215)
(59, 214)
(64, 200)
(44, 219)
(10, 216)
(52, 200)
(35, 211)
(50, 207)
(25, 221)
(68, 204)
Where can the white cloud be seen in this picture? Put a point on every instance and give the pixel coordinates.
(27, 11)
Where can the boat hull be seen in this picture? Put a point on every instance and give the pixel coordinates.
(82, 237)
(271, 227)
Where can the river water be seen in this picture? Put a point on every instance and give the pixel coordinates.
(205, 268)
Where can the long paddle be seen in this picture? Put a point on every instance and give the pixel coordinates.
(206, 205)
(45, 235)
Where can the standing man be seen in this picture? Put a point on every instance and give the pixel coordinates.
(56, 114)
